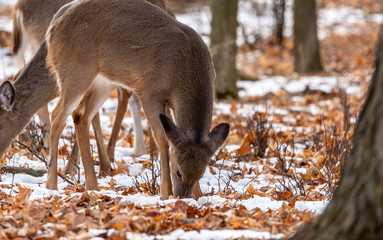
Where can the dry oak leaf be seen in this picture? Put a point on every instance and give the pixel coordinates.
(246, 145)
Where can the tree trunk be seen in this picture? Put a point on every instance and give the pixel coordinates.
(356, 211)
(279, 12)
(306, 44)
(223, 46)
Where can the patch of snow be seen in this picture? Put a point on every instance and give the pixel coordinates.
(217, 234)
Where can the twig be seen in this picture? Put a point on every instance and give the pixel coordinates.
(44, 161)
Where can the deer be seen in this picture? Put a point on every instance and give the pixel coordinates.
(97, 45)
(30, 22)
(34, 88)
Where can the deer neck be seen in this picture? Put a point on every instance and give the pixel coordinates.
(193, 114)
(34, 87)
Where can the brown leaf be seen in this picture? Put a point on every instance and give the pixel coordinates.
(23, 195)
(211, 169)
(111, 183)
(246, 145)
(233, 107)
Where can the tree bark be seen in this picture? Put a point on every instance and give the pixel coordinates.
(279, 12)
(223, 46)
(306, 43)
(356, 211)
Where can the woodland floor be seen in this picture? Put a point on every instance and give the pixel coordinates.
(290, 136)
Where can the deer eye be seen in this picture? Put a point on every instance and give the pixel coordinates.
(179, 174)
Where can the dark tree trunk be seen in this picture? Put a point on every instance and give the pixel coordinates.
(223, 46)
(356, 211)
(306, 44)
(279, 12)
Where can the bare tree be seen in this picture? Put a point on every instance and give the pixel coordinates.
(223, 46)
(279, 12)
(356, 211)
(306, 43)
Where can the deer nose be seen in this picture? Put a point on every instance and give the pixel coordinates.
(188, 193)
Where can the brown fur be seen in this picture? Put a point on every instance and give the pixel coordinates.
(138, 46)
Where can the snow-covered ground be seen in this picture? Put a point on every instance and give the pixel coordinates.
(339, 20)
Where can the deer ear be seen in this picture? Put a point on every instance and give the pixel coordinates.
(7, 96)
(218, 135)
(173, 133)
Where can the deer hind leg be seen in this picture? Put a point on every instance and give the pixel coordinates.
(123, 96)
(82, 115)
(45, 122)
(153, 109)
(73, 84)
(102, 154)
(135, 109)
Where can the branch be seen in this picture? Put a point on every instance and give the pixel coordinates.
(29, 171)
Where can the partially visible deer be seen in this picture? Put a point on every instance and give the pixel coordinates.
(100, 44)
(31, 19)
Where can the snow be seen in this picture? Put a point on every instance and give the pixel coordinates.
(8, 2)
(339, 20)
(276, 84)
(218, 234)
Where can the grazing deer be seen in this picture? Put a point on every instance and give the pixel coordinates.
(97, 45)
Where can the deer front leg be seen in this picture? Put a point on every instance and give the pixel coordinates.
(197, 192)
(102, 155)
(123, 97)
(152, 111)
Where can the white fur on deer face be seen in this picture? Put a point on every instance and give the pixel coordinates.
(190, 157)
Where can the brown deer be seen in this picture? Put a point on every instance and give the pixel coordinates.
(97, 45)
